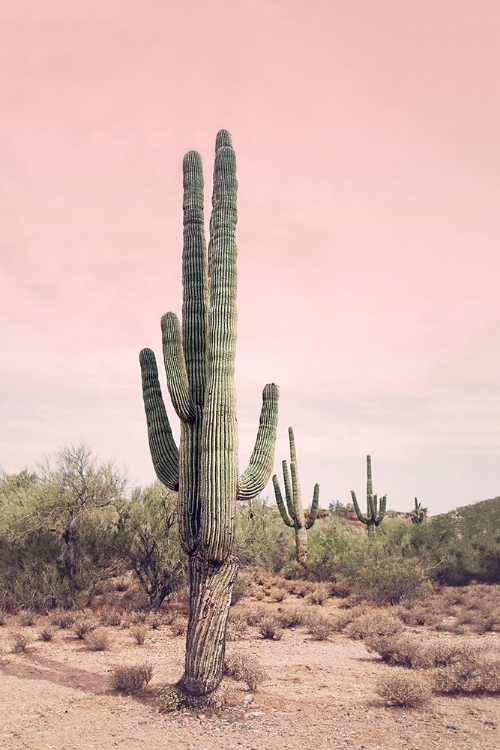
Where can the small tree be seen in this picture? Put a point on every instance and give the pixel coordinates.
(147, 540)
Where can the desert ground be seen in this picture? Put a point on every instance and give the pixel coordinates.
(316, 694)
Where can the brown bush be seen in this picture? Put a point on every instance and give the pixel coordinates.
(375, 623)
(97, 641)
(131, 679)
(245, 668)
(19, 642)
(473, 670)
(402, 688)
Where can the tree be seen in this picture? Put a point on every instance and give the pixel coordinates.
(147, 541)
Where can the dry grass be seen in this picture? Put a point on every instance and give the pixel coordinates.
(97, 641)
(83, 626)
(319, 627)
(377, 622)
(139, 634)
(19, 642)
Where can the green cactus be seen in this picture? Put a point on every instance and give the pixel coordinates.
(418, 514)
(375, 513)
(199, 363)
(293, 514)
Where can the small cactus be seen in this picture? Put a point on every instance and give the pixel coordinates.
(293, 514)
(375, 512)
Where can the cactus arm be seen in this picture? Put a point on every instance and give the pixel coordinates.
(219, 443)
(280, 503)
(382, 509)
(254, 478)
(175, 367)
(357, 508)
(164, 452)
(288, 490)
(371, 503)
(314, 508)
(195, 277)
(298, 510)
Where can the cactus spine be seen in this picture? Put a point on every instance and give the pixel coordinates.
(375, 513)
(293, 514)
(418, 513)
(199, 364)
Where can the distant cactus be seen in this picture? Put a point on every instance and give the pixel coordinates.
(199, 362)
(293, 514)
(375, 513)
(418, 514)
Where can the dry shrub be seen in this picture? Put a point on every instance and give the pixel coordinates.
(319, 594)
(402, 688)
(178, 626)
(303, 588)
(62, 619)
(269, 627)
(291, 617)
(237, 626)
(276, 594)
(82, 627)
(46, 634)
(138, 618)
(245, 668)
(341, 620)
(441, 652)
(392, 649)
(111, 618)
(473, 670)
(19, 642)
(3, 616)
(97, 641)
(155, 621)
(253, 616)
(26, 618)
(374, 623)
(319, 627)
(139, 634)
(131, 679)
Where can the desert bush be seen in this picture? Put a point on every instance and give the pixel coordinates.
(374, 623)
(472, 670)
(26, 618)
(97, 641)
(319, 627)
(62, 619)
(403, 688)
(139, 634)
(83, 626)
(269, 627)
(276, 594)
(155, 621)
(394, 649)
(131, 679)
(19, 642)
(111, 618)
(179, 626)
(46, 634)
(291, 617)
(245, 668)
(319, 594)
(237, 626)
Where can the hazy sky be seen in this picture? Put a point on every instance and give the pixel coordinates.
(368, 150)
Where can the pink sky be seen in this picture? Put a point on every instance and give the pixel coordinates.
(366, 135)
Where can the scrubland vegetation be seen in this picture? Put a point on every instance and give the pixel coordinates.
(78, 557)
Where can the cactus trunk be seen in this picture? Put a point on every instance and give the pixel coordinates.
(199, 363)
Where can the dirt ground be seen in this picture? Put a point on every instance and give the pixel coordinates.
(318, 695)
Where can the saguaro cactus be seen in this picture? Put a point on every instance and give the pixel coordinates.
(199, 363)
(293, 514)
(418, 514)
(375, 513)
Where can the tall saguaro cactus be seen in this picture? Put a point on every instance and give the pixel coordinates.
(418, 514)
(199, 363)
(374, 513)
(293, 514)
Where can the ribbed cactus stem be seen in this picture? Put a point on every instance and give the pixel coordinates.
(199, 363)
(293, 514)
(375, 512)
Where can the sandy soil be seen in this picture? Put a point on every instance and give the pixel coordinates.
(318, 695)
